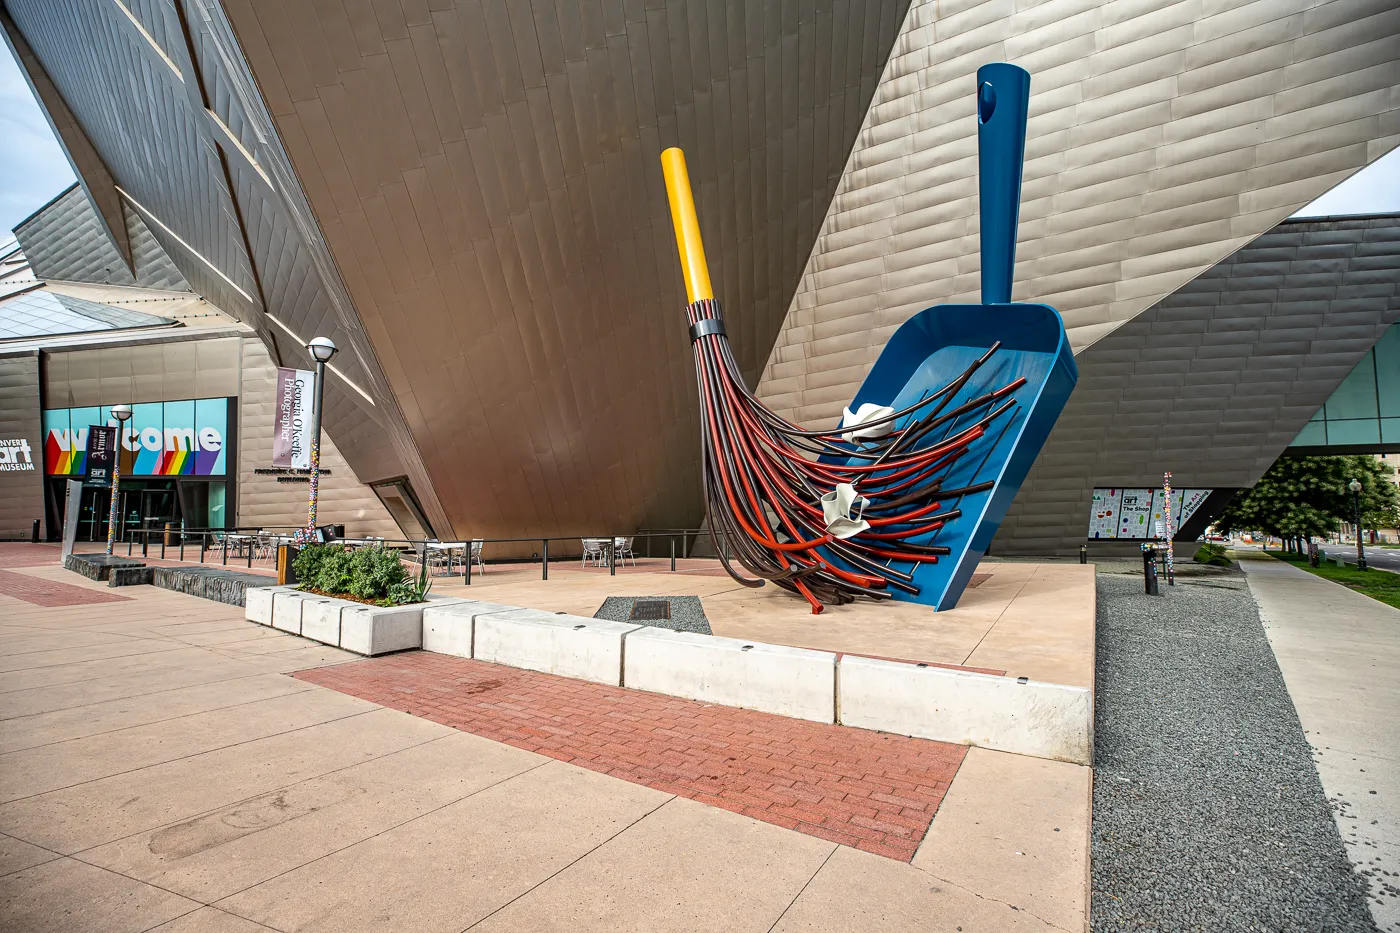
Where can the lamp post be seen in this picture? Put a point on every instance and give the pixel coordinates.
(321, 350)
(121, 413)
(1355, 487)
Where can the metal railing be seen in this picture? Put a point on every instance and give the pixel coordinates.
(248, 546)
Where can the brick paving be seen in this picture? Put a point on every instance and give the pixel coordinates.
(43, 592)
(869, 790)
(24, 554)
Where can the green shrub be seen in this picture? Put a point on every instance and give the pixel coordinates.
(1213, 554)
(335, 573)
(370, 573)
(307, 565)
(404, 592)
(373, 570)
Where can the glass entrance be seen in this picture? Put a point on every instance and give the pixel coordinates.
(158, 506)
(144, 504)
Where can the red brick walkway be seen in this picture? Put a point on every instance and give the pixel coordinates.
(43, 592)
(864, 789)
(24, 554)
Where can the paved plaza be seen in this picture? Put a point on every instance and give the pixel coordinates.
(160, 769)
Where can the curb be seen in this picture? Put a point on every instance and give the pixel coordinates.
(1025, 717)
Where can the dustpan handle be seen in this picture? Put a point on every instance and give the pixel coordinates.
(1003, 96)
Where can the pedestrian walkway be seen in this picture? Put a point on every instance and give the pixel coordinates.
(1340, 653)
(161, 771)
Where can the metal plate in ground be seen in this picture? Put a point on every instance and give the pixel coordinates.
(650, 610)
(686, 614)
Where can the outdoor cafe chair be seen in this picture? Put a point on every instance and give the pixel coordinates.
(622, 549)
(593, 551)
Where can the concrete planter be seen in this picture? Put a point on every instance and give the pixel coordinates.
(372, 630)
(320, 617)
(1026, 717)
(257, 602)
(796, 682)
(286, 610)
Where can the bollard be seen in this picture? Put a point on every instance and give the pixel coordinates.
(34, 534)
(467, 575)
(225, 548)
(203, 542)
(1084, 553)
(1149, 570)
(544, 563)
(673, 555)
(145, 540)
(612, 557)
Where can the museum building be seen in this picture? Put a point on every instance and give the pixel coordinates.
(469, 202)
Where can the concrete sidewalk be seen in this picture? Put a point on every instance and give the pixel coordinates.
(1340, 653)
(159, 771)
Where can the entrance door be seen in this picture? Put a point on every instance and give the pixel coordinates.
(93, 513)
(157, 508)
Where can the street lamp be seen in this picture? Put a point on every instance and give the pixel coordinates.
(121, 413)
(321, 350)
(1355, 487)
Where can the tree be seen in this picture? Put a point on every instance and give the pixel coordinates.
(1304, 497)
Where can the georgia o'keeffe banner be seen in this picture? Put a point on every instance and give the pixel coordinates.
(291, 420)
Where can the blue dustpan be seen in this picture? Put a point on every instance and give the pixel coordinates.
(935, 346)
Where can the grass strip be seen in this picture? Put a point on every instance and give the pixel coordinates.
(1381, 585)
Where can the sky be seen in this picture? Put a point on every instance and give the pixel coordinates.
(33, 168)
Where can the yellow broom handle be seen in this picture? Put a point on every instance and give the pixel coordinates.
(692, 251)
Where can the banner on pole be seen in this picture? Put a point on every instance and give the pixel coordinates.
(101, 455)
(291, 425)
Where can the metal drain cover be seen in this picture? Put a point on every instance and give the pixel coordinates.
(650, 610)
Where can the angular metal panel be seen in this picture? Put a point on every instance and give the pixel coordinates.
(1163, 137)
(1175, 389)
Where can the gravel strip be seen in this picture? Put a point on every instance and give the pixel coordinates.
(687, 615)
(1208, 811)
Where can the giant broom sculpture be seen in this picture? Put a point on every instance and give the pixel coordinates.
(903, 498)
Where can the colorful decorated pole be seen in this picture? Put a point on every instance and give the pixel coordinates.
(1167, 524)
(121, 413)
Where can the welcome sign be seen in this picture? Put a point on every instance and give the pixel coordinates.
(184, 438)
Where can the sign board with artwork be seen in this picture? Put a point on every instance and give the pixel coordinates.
(1103, 516)
(1136, 514)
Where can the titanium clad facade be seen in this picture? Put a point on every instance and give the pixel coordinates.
(1163, 137)
(466, 197)
(470, 199)
(67, 240)
(1214, 381)
(21, 445)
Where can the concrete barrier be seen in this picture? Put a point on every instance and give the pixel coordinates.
(372, 630)
(257, 602)
(795, 682)
(286, 610)
(554, 643)
(1004, 713)
(320, 617)
(448, 629)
